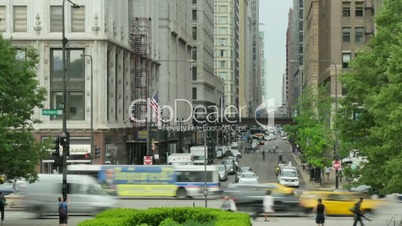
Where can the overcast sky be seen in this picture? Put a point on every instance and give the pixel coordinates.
(274, 14)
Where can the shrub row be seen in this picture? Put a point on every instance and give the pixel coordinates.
(165, 216)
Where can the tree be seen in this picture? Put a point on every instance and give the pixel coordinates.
(312, 130)
(20, 93)
(370, 117)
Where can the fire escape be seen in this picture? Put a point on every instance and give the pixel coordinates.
(141, 43)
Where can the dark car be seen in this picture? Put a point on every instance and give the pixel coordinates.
(249, 198)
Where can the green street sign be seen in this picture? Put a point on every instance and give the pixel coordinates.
(52, 112)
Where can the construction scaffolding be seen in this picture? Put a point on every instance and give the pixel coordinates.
(141, 44)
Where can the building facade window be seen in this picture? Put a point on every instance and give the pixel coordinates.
(3, 18)
(194, 1)
(345, 9)
(75, 83)
(194, 93)
(194, 53)
(346, 34)
(194, 33)
(194, 72)
(20, 18)
(222, 41)
(223, 63)
(222, 19)
(359, 35)
(78, 19)
(359, 9)
(56, 19)
(345, 59)
(194, 14)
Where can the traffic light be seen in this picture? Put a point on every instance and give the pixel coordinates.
(56, 148)
(65, 142)
(97, 152)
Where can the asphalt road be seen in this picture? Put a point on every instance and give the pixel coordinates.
(265, 169)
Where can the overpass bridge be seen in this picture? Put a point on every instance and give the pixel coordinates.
(252, 121)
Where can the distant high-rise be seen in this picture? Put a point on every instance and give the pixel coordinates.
(227, 49)
(207, 89)
(337, 30)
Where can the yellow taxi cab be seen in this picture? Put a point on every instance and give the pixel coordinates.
(279, 188)
(336, 202)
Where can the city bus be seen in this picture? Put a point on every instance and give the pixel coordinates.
(181, 181)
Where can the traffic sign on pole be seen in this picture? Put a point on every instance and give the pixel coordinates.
(147, 160)
(336, 165)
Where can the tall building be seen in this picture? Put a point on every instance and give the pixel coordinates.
(295, 63)
(334, 32)
(243, 30)
(264, 85)
(249, 58)
(290, 67)
(100, 31)
(257, 94)
(133, 49)
(207, 89)
(227, 51)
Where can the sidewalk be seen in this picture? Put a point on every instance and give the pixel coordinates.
(328, 184)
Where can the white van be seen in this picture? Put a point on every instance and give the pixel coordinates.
(84, 192)
(181, 159)
(199, 155)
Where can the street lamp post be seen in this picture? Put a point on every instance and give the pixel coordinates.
(336, 110)
(92, 104)
(165, 122)
(180, 124)
(66, 145)
(205, 169)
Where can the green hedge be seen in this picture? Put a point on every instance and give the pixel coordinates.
(178, 216)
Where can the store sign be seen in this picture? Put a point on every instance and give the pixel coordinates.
(142, 135)
(79, 149)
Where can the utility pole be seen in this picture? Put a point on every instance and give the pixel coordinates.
(65, 139)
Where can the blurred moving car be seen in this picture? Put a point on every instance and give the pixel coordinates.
(248, 178)
(249, 198)
(278, 188)
(223, 174)
(6, 188)
(84, 192)
(336, 203)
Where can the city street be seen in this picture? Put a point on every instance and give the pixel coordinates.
(264, 169)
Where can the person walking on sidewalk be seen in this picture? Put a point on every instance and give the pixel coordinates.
(263, 154)
(321, 211)
(3, 203)
(358, 213)
(268, 203)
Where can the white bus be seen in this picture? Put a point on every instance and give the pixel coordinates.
(179, 181)
(195, 175)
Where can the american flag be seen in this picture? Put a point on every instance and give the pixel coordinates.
(155, 105)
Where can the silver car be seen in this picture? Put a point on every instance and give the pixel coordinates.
(223, 174)
(230, 166)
